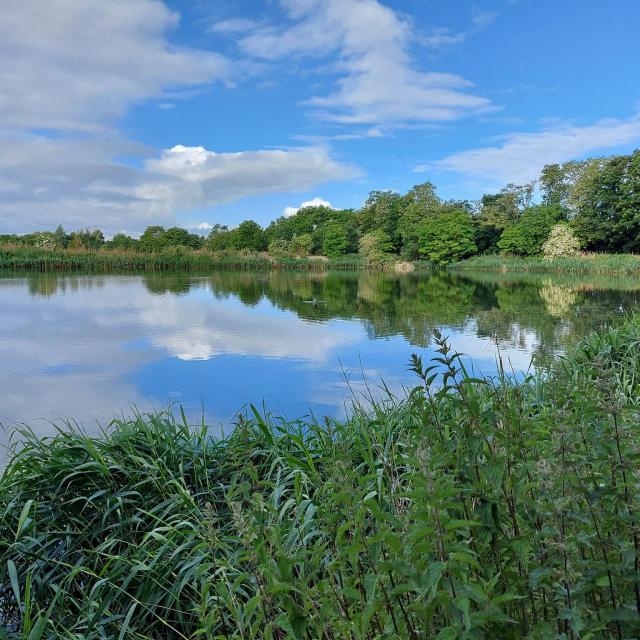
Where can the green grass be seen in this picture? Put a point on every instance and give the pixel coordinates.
(596, 263)
(469, 509)
(14, 258)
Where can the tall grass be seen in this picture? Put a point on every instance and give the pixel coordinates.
(597, 263)
(18, 257)
(472, 508)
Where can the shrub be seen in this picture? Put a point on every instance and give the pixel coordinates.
(301, 245)
(279, 247)
(376, 247)
(562, 241)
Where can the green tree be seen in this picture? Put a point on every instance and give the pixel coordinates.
(419, 204)
(249, 236)
(448, 237)
(336, 240)
(527, 236)
(178, 237)
(85, 239)
(608, 215)
(122, 241)
(381, 211)
(153, 239)
(61, 237)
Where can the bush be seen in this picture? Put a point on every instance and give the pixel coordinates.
(447, 237)
(301, 245)
(562, 242)
(376, 247)
(278, 247)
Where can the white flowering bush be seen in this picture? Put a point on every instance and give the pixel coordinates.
(562, 241)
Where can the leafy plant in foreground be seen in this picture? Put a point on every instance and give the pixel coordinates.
(471, 508)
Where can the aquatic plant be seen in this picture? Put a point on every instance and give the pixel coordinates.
(594, 263)
(177, 259)
(471, 508)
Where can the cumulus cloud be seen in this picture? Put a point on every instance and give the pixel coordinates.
(83, 183)
(519, 157)
(201, 177)
(315, 202)
(66, 64)
(378, 83)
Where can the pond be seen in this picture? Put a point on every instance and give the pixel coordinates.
(88, 347)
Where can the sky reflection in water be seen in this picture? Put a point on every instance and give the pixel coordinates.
(90, 347)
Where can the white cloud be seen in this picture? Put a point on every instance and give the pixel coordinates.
(233, 26)
(378, 84)
(203, 177)
(66, 64)
(519, 157)
(315, 202)
(82, 183)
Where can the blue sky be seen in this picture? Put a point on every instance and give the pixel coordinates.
(123, 113)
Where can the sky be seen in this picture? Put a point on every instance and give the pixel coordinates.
(119, 114)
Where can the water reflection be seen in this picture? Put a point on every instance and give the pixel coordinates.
(91, 346)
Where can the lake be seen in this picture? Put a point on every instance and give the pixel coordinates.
(89, 347)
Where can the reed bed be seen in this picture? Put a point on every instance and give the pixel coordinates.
(471, 508)
(595, 263)
(114, 261)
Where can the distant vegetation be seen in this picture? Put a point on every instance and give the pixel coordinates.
(469, 509)
(590, 205)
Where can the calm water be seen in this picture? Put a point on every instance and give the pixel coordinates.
(89, 347)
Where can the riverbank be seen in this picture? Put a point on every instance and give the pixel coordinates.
(118, 261)
(474, 509)
(596, 263)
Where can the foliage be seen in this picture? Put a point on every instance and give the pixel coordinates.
(526, 237)
(447, 237)
(249, 236)
(278, 247)
(85, 239)
(336, 240)
(608, 218)
(302, 244)
(471, 509)
(121, 241)
(562, 242)
(376, 247)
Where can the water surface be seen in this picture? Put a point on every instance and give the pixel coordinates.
(89, 347)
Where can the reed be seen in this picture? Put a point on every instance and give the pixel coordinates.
(595, 263)
(202, 261)
(471, 508)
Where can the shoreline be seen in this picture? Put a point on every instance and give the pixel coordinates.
(597, 264)
(105, 261)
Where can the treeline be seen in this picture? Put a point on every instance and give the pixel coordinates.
(592, 205)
